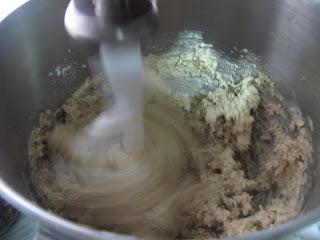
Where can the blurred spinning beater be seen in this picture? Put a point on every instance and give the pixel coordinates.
(116, 26)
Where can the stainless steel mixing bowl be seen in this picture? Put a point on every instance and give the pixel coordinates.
(39, 68)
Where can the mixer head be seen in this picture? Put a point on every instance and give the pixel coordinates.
(112, 20)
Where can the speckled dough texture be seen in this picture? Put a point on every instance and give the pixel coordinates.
(245, 170)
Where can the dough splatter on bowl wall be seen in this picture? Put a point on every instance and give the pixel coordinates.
(242, 149)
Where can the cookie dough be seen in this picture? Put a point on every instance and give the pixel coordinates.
(242, 156)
